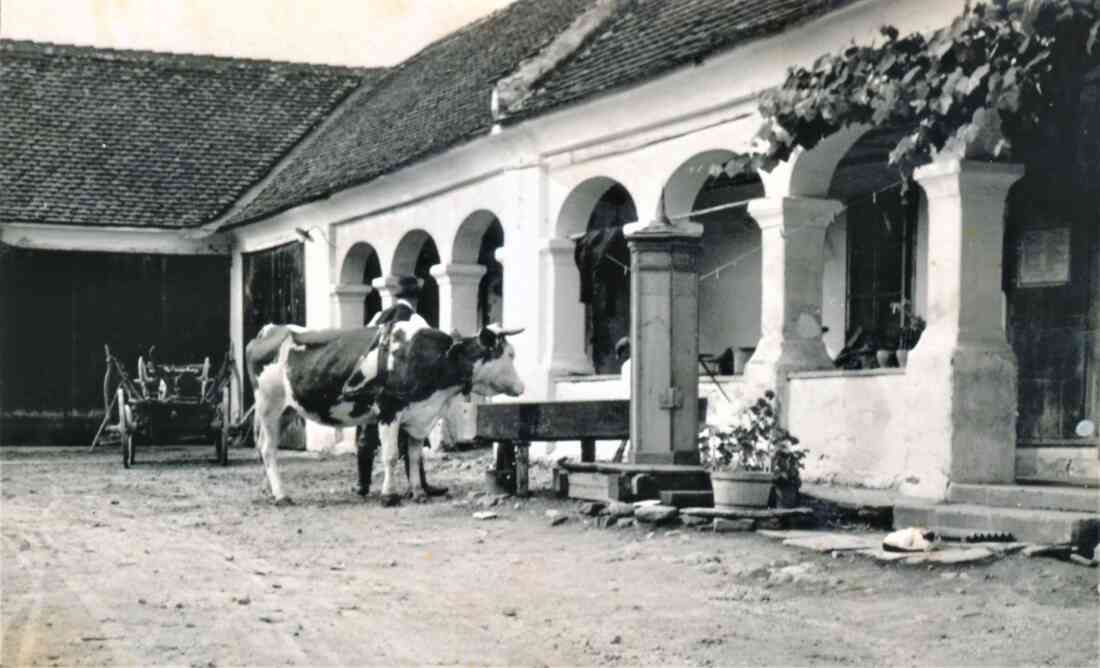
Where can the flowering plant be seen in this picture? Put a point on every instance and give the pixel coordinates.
(753, 442)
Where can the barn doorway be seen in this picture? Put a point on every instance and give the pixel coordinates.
(274, 291)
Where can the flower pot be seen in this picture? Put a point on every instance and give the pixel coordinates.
(883, 358)
(740, 489)
(903, 357)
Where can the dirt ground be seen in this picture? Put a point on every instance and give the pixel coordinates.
(182, 562)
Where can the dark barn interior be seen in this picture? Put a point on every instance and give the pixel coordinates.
(57, 311)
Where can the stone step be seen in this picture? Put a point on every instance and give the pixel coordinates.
(1035, 497)
(687, 498)
(1024, 524)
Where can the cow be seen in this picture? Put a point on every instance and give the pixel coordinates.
(401, 375)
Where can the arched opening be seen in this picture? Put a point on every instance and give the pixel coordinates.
(429, 291)
(361, 266)
(490, 289)
(416, 254)
(476, 243)
(593, 216)
(730, 263)
(874, 252)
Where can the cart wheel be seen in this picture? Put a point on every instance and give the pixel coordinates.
(125, 434)
(221, 445)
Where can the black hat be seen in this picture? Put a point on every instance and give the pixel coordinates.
(408, 287)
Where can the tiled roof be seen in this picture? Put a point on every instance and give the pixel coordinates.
(645, 38)
(433, 101)
(104, 137)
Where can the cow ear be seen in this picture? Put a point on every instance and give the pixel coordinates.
(488, 338)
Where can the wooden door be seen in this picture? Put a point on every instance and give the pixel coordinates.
(274, 291)
(1052, 286)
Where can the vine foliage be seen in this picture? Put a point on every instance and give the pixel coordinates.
(975, 89)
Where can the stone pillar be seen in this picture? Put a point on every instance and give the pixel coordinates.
(458, 296)
(792, 237)
(664, 341)
(347, 304)
(963, 370)
(562, 310)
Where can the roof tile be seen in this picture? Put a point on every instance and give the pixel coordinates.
(437, 99)
(646, 38)
(134, 138)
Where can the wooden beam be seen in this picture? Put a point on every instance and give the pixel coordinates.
(557, 420)
(522, 461)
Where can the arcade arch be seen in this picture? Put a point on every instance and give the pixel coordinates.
(730, 262)
(476, 276)
(592, 217)
(415, 255)
(357, 301)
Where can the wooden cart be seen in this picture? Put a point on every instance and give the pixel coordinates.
(171, 403)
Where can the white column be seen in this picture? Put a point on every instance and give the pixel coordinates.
(347, 304)
(458, 296)
(563, 311)
(792, 237)
(522, 308)
(236, 322)
(963, 370)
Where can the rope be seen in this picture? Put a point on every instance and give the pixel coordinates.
(873, 196)
(720, 207)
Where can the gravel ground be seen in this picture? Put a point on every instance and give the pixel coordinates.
(182, 562)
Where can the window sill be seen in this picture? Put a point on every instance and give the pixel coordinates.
(603, 378)
(847, 373)
(591, 378)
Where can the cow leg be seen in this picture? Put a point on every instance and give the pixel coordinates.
(413, 462)
(269, 410)
(388, 434)
(403, 453)
(366, 447)
(430, 490)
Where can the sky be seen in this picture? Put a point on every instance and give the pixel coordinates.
(341, 32)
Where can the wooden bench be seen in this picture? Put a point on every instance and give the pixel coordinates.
(512, 426)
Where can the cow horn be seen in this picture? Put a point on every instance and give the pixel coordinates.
(498, 329)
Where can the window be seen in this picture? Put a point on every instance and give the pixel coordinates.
(881, 248)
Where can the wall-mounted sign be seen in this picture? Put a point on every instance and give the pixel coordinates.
(1043, 257)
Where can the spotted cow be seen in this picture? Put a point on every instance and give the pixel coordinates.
(401, 378)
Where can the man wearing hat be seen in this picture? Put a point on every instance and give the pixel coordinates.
(403, 309)
(405, 298)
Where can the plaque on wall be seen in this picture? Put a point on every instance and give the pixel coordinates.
(1043, 257)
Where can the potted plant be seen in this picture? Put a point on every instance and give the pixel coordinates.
(882, 357)
(748, 456)
(911, 328)
(787, 462)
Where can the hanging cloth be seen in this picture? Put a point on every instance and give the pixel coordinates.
(597, 252)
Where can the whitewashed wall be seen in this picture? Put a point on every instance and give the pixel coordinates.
(527, 174)
(865, 428)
